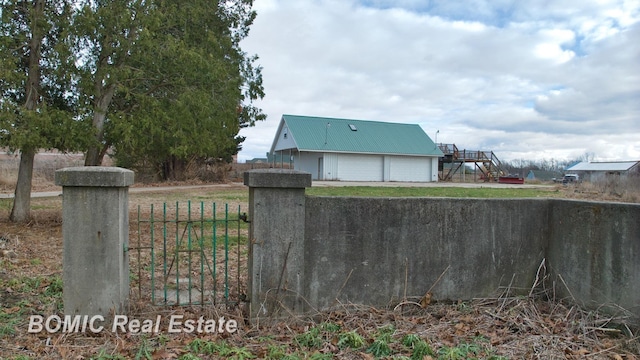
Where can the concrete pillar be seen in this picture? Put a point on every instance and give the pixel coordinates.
(276, 252)
(95, 230)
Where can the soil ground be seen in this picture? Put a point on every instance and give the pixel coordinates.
(537, 326)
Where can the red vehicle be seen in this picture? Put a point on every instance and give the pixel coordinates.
(511, 179)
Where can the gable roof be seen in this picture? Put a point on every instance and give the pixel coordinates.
(603, 166)
(320, 134)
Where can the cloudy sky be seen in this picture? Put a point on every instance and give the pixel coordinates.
(527, 79)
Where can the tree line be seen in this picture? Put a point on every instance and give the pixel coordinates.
(157, 83)
(522, 166)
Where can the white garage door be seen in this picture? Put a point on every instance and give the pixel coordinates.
(360, 167)
(406, 168)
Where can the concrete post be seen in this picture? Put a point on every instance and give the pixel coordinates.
(95, 230)
(276, 253)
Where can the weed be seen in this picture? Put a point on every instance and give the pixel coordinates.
(484, 347)
(133, 277)
(462, 351)
(330, 327)
(7, 265)
(294, 356)
(6, 204)
(55, 287)
(420, 350)
(238, 353)
(265, 338)
(410, 340)
(209, 348)
(203, 346)
(8, 328)
(25, 284)
(144, 352)
(24, 303)
(162, 339)
(310, 338)
(11, 317)
(470, 349)
(463, 307)
(451, 353)
(188, 357)
(275, 352)
(104, 356)
(386, 330)
(319, 356)
(379, 347)
(351, 339)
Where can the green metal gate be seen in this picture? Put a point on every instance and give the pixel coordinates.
(190, 254)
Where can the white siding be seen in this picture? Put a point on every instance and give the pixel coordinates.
(308, 162)
(387, 169)
(357, 167)
(409, 168)
(284, 140)
(330, 166)
(361, 167)
(434, 169)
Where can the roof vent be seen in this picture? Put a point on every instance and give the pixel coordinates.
(353, 127)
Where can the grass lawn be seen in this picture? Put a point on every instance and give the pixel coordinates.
(457, 192)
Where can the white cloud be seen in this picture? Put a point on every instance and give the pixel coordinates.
(551, 45)
(554, 80)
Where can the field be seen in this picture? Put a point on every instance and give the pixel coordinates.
(504, 327)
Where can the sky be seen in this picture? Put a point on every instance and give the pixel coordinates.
(532, 80)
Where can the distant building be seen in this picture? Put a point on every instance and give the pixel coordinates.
(356, 150)
(258, 161)
(542, 175)
(596, 171)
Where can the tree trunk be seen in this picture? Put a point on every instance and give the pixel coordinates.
(173, 168)
(93, 153)
(21, 210)
(101, 105)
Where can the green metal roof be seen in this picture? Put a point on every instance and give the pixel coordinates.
(359, 136)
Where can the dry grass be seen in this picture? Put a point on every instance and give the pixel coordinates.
(613, 189)
(537, 326)
(44, 168)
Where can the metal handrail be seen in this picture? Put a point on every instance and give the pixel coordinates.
(492, 167)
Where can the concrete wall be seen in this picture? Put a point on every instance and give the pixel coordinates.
(370, 243)
(595, 248)
(375, 250)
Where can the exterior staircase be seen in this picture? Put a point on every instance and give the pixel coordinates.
(486, 161)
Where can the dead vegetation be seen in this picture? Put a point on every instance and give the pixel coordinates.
(533, 326)
(616, 189)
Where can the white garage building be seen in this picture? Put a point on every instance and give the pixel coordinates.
(356, 150)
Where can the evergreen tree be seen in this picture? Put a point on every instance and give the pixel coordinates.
(36, 108)
(175, 85)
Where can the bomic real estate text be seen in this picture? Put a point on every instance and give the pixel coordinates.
(125, 324)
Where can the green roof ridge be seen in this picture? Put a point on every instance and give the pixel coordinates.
(324, 134)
